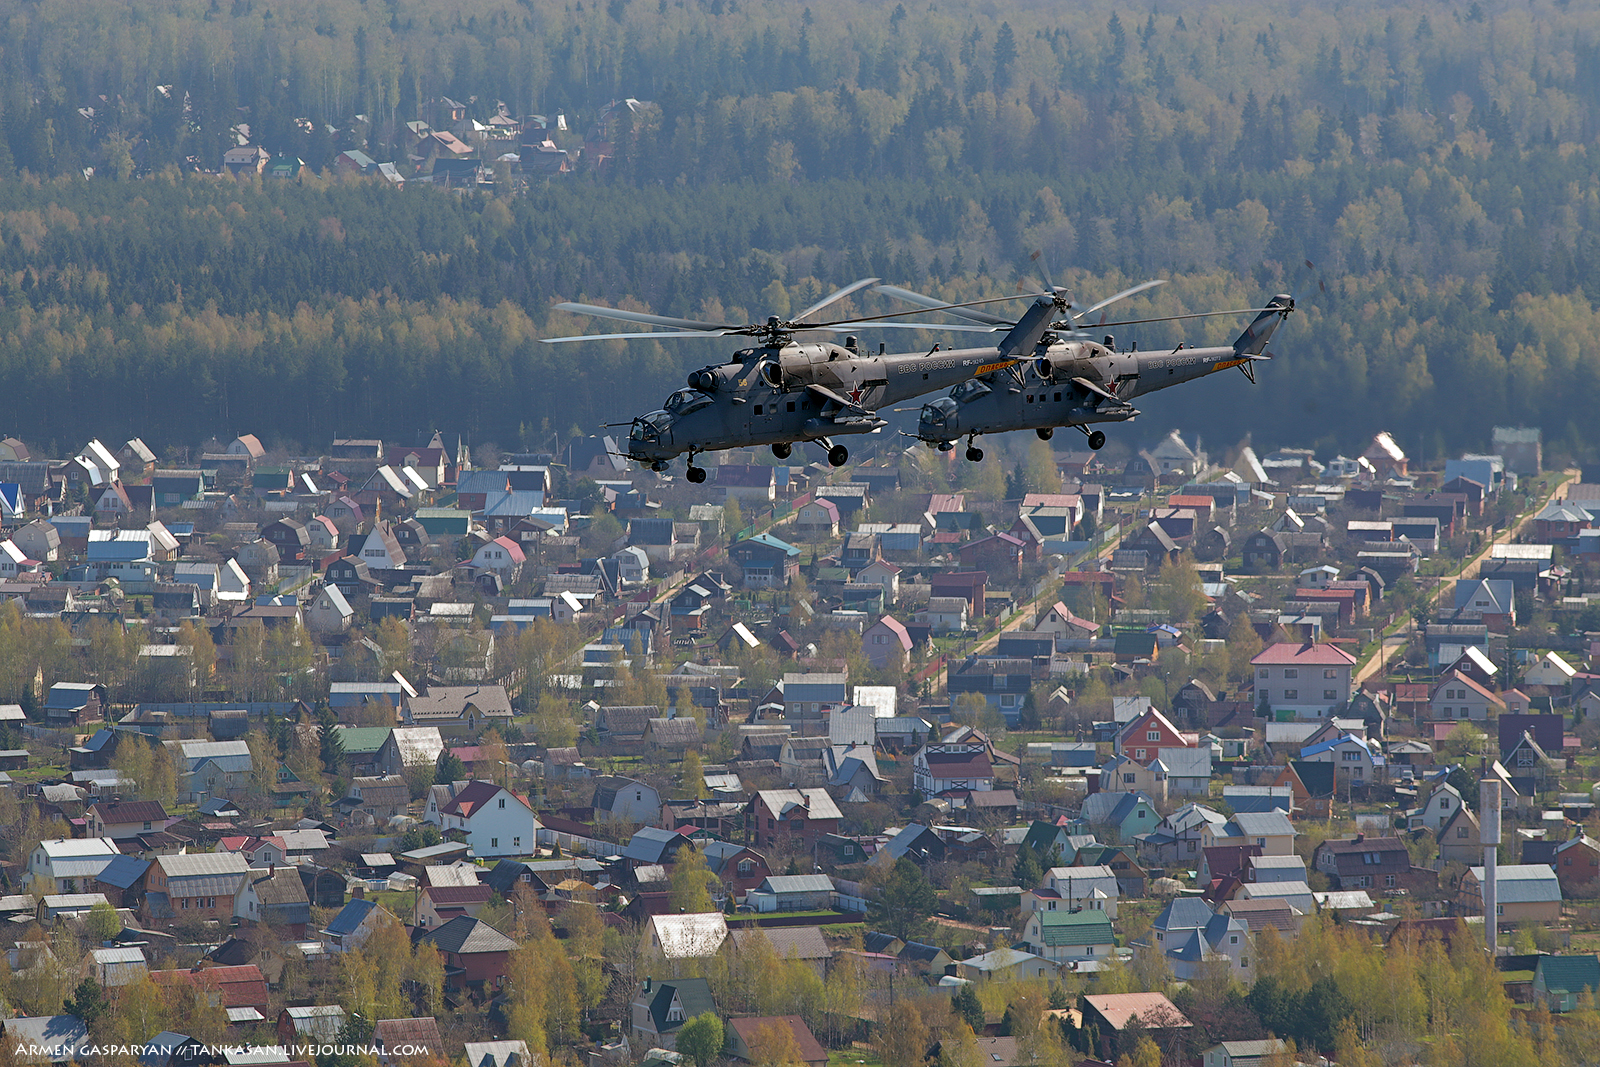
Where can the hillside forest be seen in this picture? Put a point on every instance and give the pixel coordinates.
(1420, 178)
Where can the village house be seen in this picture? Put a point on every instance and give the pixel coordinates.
(199, 886)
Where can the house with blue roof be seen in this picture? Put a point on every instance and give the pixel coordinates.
(355, 923)
(1122, 816)
(1189, 934)
(1356, 761)
(767, 563)
(119, 878)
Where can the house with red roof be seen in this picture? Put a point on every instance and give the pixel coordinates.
(491, 819)
(265, 852)
(241, 986)
(751, 1038)
(1307, 679)
(887, 643)
(998, 554)
(1143, 739)
(503, 556)
(123, 819)
(438, 904)
(943, 768)
(817, 517)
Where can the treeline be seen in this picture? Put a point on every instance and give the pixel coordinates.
(1421, 180)
(177, 307)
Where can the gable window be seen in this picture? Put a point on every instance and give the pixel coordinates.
(1153, 735)
(494, 842)
(502, 802)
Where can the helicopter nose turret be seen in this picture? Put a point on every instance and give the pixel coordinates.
(651, 436)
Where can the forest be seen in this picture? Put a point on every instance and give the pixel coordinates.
(1419, 179)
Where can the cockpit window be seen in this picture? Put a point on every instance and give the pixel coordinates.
(686, 400)
(970, 390)
(654, 422)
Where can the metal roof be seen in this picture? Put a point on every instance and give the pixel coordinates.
(1524, 883)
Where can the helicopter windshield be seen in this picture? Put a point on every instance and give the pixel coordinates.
(650, 426)
(686, 400)
(969, 390)
(939, 412)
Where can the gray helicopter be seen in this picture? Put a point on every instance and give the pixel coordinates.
(1074, 381)
(782, 391)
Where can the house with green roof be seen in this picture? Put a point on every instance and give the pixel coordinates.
(444, 522)
(1560, 980)
(661, 1008)
(362, 745)
(1069, 936)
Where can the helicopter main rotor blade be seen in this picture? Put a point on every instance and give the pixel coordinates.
(836, 295)
(641, 316)
(932, 303)
(1141, 287)
(847, 327)
(626, 336)
(1195, 315)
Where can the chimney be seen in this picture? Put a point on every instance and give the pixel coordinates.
(1360, 837)
(647, 983)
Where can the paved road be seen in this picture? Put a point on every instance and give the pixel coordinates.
(1393, 643)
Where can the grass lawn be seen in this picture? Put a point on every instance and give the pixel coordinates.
(854, 1057)
(842, 929)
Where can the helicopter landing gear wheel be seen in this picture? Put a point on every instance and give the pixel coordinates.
(696, 474)
(838, 456)
(1045, 432)
(781, 449)
(974, 454)
(1097, 440)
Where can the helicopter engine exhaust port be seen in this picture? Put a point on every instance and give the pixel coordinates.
(1045, 432)
(703, 381)
(782, 449)
(1044, 369)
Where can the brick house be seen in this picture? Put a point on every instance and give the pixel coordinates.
(1363, 862)
(197, 885)
(793, 815)
(474, 952)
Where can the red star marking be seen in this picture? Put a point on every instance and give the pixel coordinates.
(855, 394)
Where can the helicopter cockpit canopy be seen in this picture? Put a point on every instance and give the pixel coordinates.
(686, 400)
(940, 414)
(650, 426)
(970, 390)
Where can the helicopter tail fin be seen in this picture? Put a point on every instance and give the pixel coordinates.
(1019, 342)
(1259, 332)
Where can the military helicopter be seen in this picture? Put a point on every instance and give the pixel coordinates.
(1075, 381)
(781, 391)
